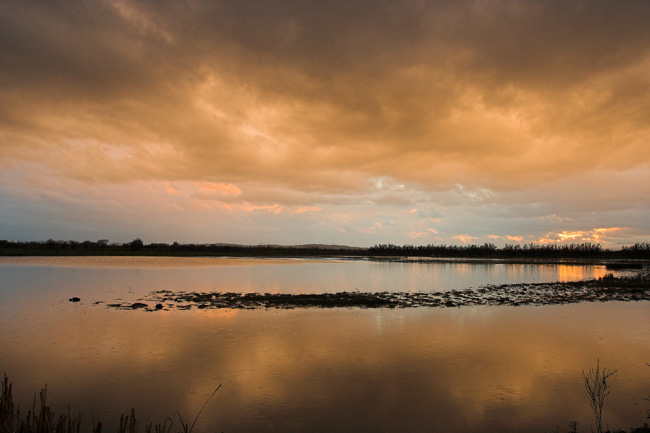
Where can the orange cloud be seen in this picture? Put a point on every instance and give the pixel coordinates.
(273, 208)
(506, 237)
(247, 207)
(436, 120)
(593, 235)
(222, 188)
(599, 233)
(466, 239)
(303, 209)
(580, 235)
(171, 190)
(505, 129)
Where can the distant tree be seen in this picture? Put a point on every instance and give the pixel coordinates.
(136, 244)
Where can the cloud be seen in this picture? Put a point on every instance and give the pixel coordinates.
(466, 239)
(303, 209)
(597, 235)
(221, 188)
(436, 93)
(533, 109)
(417, 235)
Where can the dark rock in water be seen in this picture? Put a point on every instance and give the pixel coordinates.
(138, 305)
(74, 299)
(159, 306)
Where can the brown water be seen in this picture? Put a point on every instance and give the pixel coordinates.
(470, 369)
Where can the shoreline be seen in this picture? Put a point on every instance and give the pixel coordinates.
(486, 251)
(614, 264)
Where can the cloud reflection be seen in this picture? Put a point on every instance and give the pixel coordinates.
(474, 369)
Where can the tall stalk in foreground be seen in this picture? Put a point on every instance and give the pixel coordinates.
(45, 421)
(648, 399)
(597, 388)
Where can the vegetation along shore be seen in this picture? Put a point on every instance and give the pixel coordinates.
(136, 247)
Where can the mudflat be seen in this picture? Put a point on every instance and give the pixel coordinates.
(606, 288)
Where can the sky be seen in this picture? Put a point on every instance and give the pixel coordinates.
(335, 122)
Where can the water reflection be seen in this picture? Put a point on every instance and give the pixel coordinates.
(474, 369)
(113, 277)
(545, 273)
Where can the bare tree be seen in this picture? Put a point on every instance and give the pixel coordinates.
(597, 388)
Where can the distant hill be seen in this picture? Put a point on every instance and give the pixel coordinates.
(296, 246)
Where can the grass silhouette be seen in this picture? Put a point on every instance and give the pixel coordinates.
(44, 420)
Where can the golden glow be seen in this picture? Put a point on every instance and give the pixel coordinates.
(223, 188)
(580, 236)
(571, 235)
(472, 362)
(466, 239)
(577, 273)
(496, 122)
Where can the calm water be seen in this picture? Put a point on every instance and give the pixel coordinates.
(473, 369)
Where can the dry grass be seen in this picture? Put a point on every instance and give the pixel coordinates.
(597, 389)
(43, 420)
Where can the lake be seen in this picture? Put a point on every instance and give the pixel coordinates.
(469, 369)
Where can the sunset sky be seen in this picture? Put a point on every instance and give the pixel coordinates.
(346, 122)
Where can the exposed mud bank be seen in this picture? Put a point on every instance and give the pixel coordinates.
(608, 288)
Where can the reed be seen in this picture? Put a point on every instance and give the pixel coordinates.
(44, 420)
(12, 420)
(41, 421)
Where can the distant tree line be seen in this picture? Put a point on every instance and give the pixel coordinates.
(486, 250)
(531, 250)
(137, 247)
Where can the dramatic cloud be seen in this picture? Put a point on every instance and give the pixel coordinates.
(304, 121)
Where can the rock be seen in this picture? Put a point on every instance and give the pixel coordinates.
(138, 305)
(74, 299)
(159, 306)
